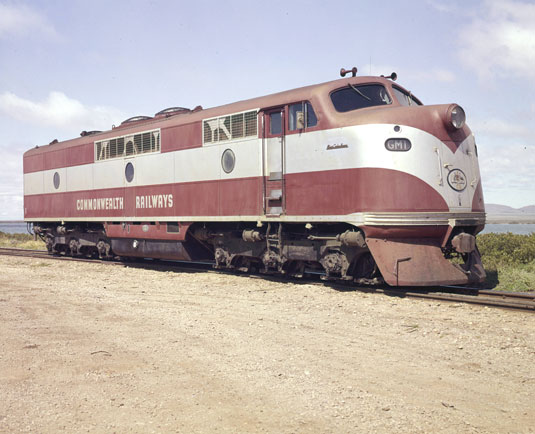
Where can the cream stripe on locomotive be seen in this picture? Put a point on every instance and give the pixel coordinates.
(189, 165)
(341, 148)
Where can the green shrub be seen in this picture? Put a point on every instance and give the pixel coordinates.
(506, 249)
(509, 260)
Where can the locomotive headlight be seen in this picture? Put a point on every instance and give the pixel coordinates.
(456, 116)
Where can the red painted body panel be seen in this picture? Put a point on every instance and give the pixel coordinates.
(209, 198)
(357, 190)
(64, 205)
(182, 137)
(55, 158)
(82, 154)
(241, 196)
(61, 157)
(338, 192)
(33, 163)
(156, 231)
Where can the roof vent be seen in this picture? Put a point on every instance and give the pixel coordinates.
(136, 119)
(171, 111)
(89, 133)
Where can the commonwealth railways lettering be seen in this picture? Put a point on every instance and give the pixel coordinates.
(101, 203)
(114, 203)
(155, 201)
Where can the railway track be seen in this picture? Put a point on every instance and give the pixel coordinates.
(43, 254)
(509, 300)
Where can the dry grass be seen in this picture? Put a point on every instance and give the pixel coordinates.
(20, 241)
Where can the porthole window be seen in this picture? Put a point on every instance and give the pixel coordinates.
(129, 172)
(228, 160)
(56, 180)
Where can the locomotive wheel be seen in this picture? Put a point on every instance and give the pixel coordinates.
(74, 247)
(103, 249)
(49, 244)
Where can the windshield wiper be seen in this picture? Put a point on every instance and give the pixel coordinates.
(359, 92)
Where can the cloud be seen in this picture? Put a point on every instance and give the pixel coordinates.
(11, 207)
(435, 74)
(507, 167)
(499, 128)
(506, 159)
(500, 40)
(441, 7)
(60, 111)
(21, 20)
(11, 183)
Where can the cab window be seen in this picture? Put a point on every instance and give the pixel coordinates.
(405, 98)
(354, 97)
(300, 116)
(275, 123)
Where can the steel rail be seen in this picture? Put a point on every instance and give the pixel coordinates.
(481, 297)
(510, 300)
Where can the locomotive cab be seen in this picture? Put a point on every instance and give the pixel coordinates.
(422, 200)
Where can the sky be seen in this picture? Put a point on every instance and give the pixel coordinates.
(68, 66)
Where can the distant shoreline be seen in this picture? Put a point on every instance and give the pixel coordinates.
(510, 219)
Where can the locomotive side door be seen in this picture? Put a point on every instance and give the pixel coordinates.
(274, 164)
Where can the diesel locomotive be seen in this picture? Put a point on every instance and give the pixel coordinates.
(354, 179)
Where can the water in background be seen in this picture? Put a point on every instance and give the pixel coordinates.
(519, 229)
(522, 229)
(13, 227)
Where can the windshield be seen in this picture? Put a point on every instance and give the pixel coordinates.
(357, 97)
(404, 98)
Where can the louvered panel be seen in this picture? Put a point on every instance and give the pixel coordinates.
(208, 135)
(113, 148)
(145, 142)
(120, 146)
(137, 144)
(125, 146)
(232, 127)
(251, 124)
(237, 126)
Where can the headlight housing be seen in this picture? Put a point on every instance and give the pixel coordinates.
(456, 117)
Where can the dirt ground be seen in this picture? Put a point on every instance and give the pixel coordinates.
(100, 348)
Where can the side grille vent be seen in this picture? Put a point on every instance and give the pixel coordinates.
(231, 127)
(129, 145)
